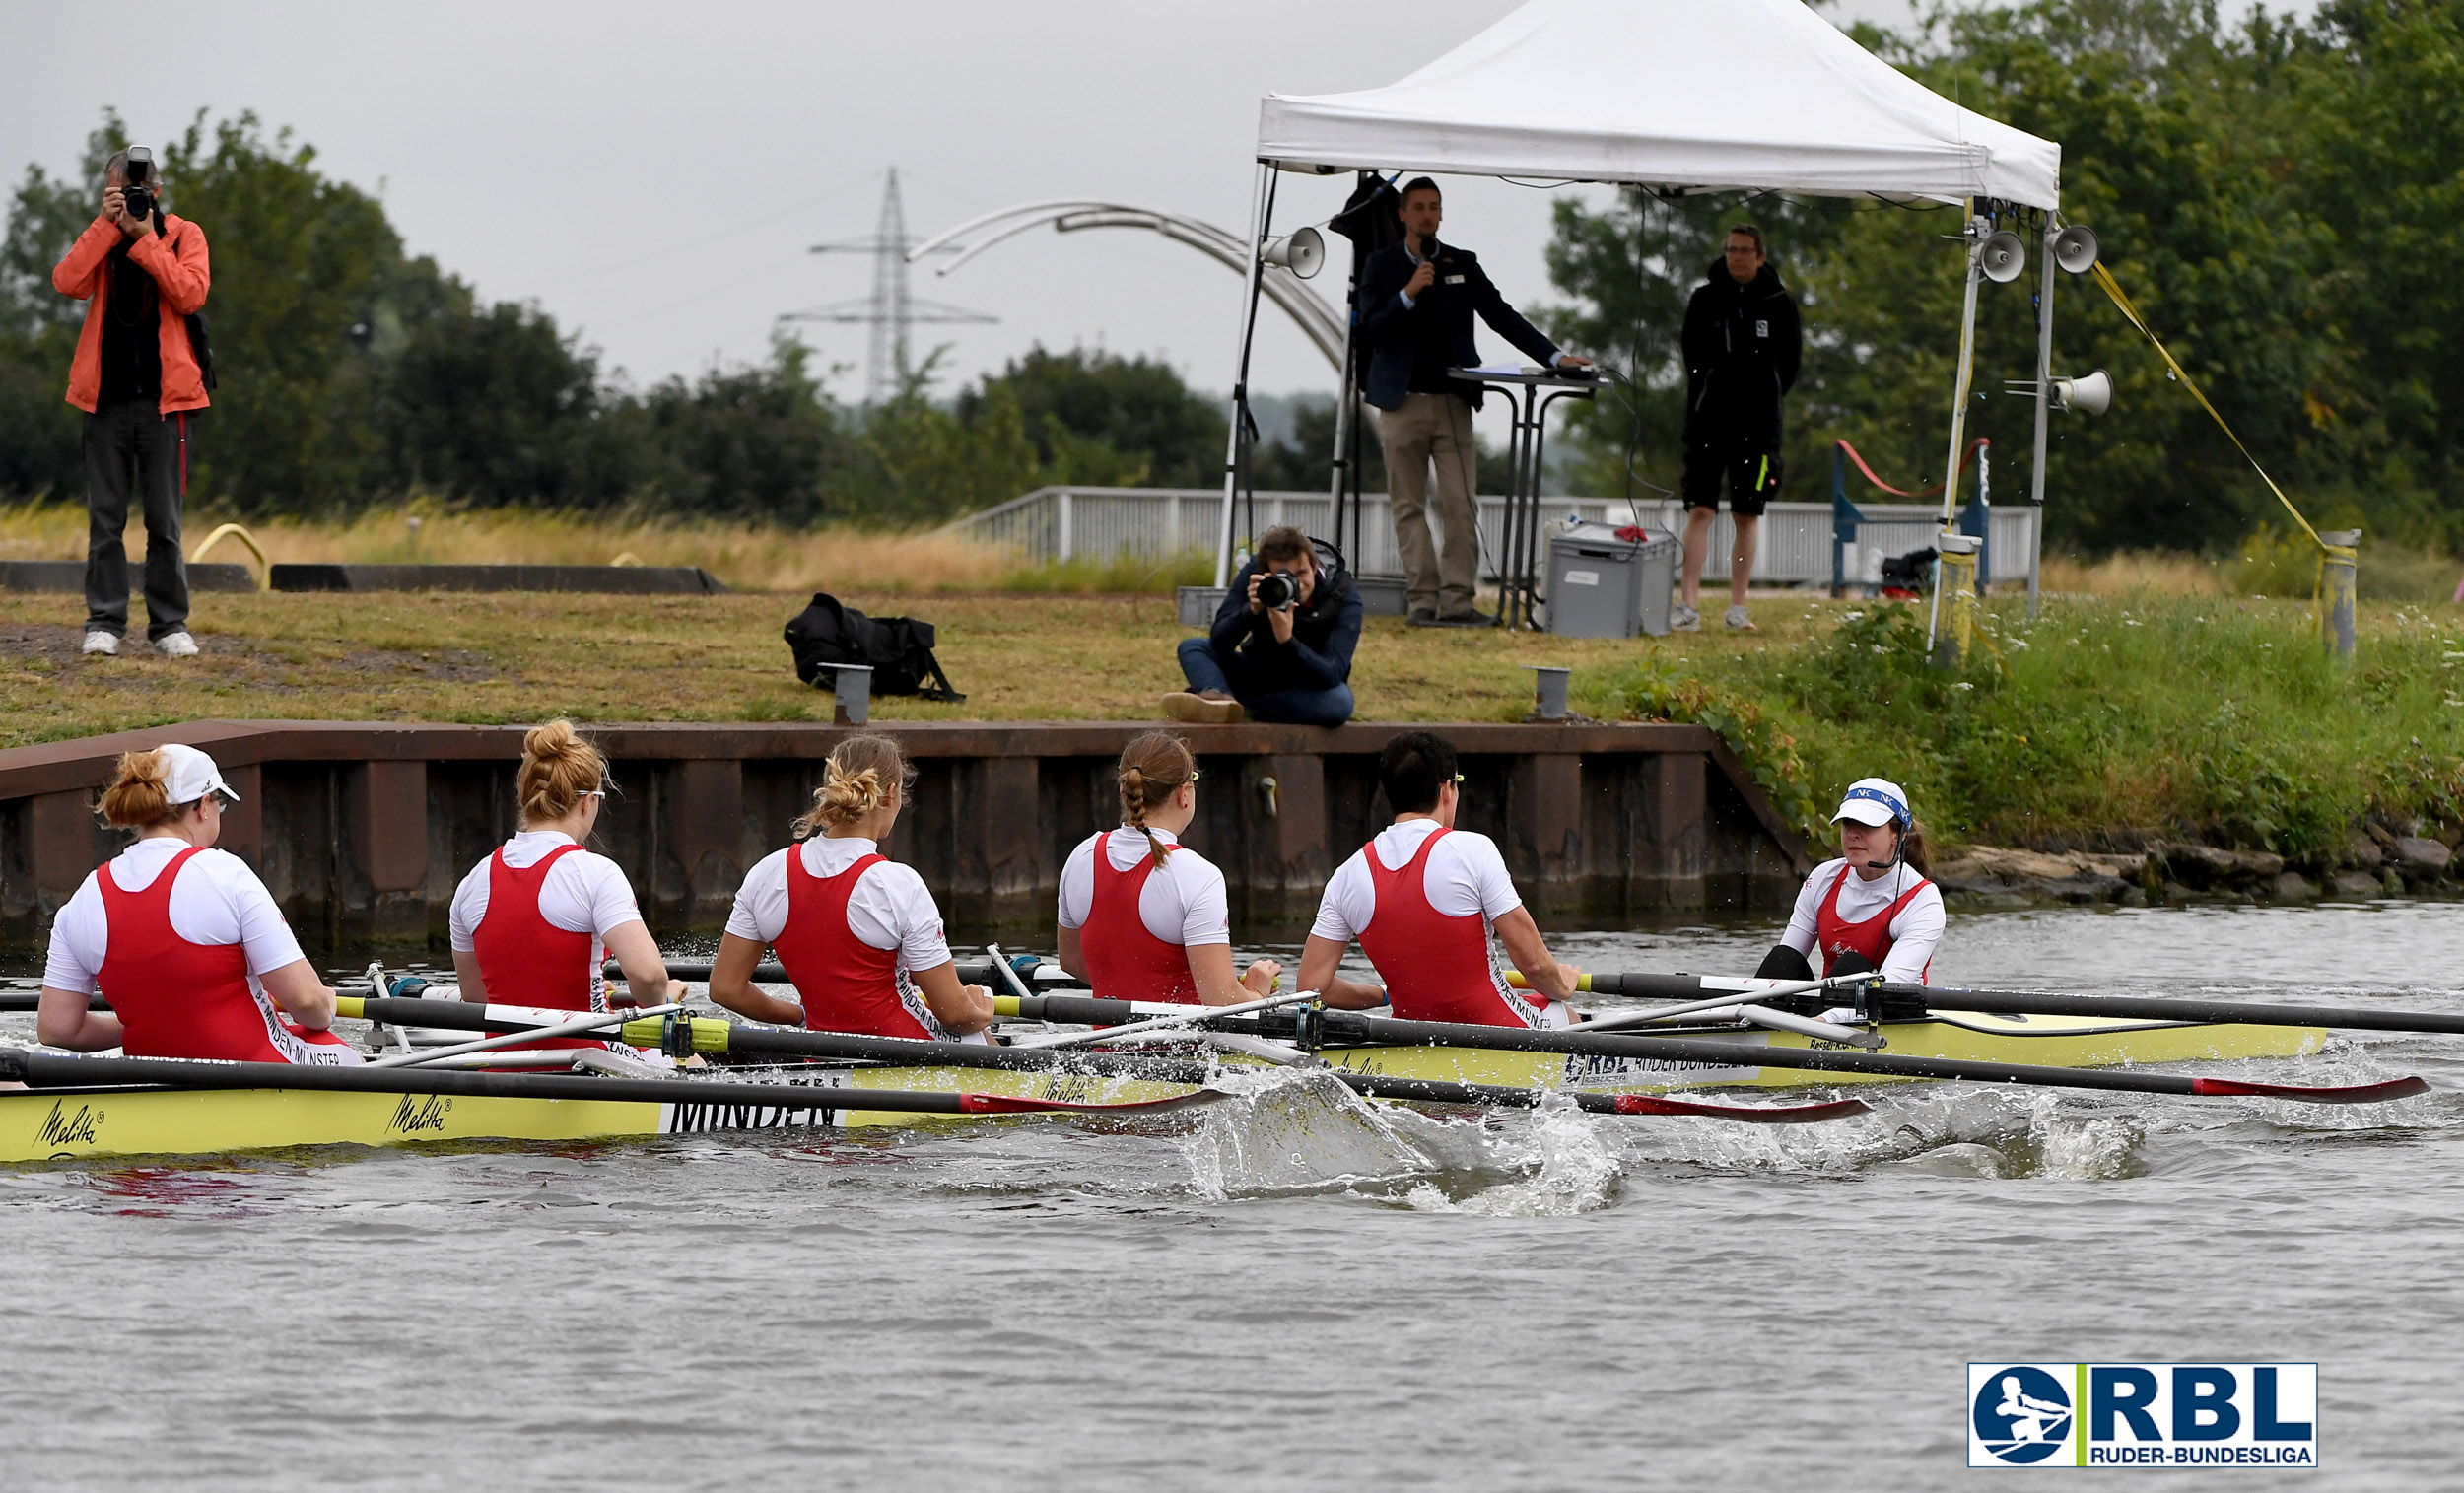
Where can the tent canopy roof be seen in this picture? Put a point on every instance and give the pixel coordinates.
(1688, 94)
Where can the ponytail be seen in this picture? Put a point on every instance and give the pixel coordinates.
(139, 795)
(863, 773)
(558, 768)
(1912, 848)
(1153, 767)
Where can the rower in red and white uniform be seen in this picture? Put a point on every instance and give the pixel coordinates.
(859, 933)
(1871, 909)
(535, 922)
(1422, 898)
(182, 939)
(1142, 915)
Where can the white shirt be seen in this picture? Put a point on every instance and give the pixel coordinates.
(1915, 933)
(888, 909)
(1182, 901)
(1463, 875)
(584, 893)
(217, 900)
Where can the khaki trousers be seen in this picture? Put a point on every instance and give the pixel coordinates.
(1433, 430)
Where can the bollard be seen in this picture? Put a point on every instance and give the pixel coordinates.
(1549, 701)
(2338, 568)
(853, 683)
(1954, 598)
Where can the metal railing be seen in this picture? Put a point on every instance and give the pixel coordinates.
(1793, 546)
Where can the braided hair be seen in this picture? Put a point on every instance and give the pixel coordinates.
(1152, 769)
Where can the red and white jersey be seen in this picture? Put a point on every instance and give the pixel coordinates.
(1900, 910)
(176, 939)
(582, 892)
(1420, 898)
(851, 926)
(1136, 921)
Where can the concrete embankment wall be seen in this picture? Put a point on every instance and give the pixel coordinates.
(363, 830)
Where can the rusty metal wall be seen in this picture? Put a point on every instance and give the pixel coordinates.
(362, 831)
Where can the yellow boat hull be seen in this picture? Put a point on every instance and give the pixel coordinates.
(56, 1124)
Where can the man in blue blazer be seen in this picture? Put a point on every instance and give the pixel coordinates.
(1417, 299)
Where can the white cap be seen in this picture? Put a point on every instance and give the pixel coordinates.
(1875, 801)
(189, 774)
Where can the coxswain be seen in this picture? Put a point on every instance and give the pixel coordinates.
(1422, 898)
(535, 922)
(859, 933)
(1871, 909)
(1142, 915)
(182, 939)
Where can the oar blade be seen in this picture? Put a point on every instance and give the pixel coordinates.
(1007, 1103)
(2360, 1092)
(1775, 1115)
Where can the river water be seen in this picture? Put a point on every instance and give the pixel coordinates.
(1291, 1290)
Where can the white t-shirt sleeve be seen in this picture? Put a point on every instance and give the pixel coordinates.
(761, 907)
(1479, 872)
(891, 908)
(1915, 933)
(1077, 883)
(1804, 930)
(470, 905)
(262, 929)
(1349, 898)
(1205, 909)
(74, 962)
(586, 893)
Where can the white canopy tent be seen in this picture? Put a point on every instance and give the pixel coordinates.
(1678, 96)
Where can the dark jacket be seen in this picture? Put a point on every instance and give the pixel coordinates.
(1742, 347)
(1324, 630)
(1437, 325)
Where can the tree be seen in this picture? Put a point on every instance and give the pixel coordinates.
(1086, 409)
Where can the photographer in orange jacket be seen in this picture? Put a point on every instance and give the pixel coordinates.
(142, 273)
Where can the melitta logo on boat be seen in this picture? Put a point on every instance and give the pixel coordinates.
(2143, 1416)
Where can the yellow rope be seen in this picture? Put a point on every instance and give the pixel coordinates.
(2326, 551)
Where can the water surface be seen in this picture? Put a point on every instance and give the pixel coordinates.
(1294, 1290)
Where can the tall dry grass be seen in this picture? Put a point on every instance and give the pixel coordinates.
(747, 557)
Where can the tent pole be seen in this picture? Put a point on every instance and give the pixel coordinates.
(2044, 403)
(1346, 411)
(1959, 405)
(1250, 285)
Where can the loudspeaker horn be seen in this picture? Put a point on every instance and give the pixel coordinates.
(2003, 257)
(1302, 251)
(2090, 394)
(2075, 249)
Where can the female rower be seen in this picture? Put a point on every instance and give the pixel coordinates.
(535, 922)
(859, 935)
(182, 939)
(1872, 907)
(1143, 917)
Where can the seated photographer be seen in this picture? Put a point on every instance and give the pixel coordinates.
(1281, 647)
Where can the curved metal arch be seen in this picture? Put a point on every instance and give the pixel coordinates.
(1320, 322)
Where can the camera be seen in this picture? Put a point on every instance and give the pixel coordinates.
(1276, 589)
(138, 200)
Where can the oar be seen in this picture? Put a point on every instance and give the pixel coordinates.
(2045, 1004)
(771, 971)
(1185, 1016)
(595, 1021)
(709, 1036)
(41, 1070)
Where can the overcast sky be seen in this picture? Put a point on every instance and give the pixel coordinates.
(655, 174)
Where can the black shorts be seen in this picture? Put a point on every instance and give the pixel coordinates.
(1752, 473)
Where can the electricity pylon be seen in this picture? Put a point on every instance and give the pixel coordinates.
(891, 310)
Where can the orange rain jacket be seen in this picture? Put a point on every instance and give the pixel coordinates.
(176, 261)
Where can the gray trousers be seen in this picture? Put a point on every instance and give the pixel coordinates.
(132, 450)
(1433, 432)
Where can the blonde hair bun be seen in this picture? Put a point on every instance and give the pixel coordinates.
(863, 773)
(558, 768)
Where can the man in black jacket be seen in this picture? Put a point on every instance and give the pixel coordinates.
(1281, 647)
(1743, 345)
(1417, 299)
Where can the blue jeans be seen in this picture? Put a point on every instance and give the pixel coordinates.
(1207, 670)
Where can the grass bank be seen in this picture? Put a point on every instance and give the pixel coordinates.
(2105, 722)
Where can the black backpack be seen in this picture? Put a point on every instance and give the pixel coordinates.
(899, 650)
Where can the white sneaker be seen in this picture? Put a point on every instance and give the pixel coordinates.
(1738, 622)
(101, 643)
(1685, 619)
(182, 646)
